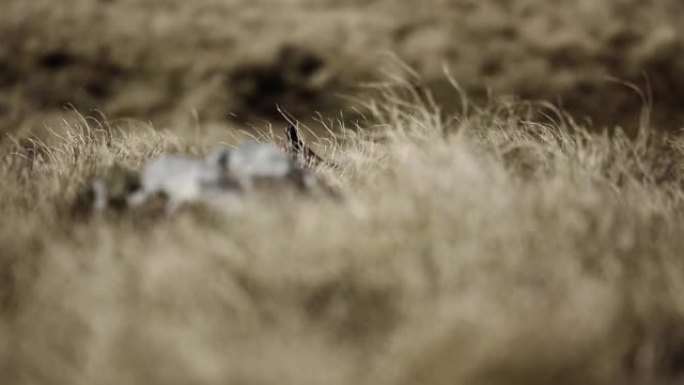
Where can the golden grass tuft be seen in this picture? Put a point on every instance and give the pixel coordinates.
(480, 248)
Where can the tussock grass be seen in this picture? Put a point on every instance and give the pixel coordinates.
(481, 248)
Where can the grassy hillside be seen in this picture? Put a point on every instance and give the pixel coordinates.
(176, 62)
(480, 248)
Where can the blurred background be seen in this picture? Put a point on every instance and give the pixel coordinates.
(179, 63)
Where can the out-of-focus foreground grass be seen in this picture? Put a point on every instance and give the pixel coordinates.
(479, 248)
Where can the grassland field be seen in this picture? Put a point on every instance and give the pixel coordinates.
(228, 62)
(517, 219)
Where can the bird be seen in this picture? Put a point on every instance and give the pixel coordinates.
(299, 150)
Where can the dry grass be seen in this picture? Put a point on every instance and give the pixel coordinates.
(474, 249)
(175, 62)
